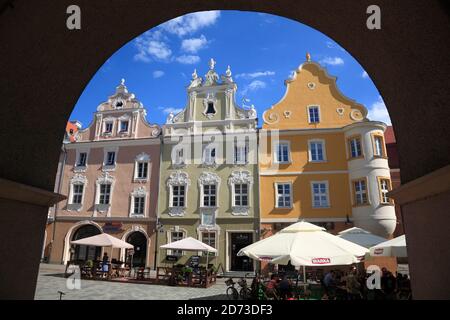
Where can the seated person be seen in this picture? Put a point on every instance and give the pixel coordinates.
(271, 287)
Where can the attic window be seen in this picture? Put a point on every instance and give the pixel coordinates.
(210, 109)
(119, 104)
(71, 131)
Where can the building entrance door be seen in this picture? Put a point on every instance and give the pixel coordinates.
(240, 240)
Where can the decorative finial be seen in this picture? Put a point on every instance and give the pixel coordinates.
(122, 82)
(228, 72)
(194, 75)
(308, 57)
(212, 63)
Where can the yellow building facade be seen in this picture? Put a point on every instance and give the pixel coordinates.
(321, 159)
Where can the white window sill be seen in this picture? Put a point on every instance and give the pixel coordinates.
(80, 169)
(322, 207)
(74, 207)
(282, 162)
(108, 168)
(177, 211)
(140, 180)
(318, 161)
(133, 215)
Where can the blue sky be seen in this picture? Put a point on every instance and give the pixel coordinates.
(261, 49)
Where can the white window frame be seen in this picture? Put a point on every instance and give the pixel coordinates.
(216, 241)
(208, 159)
(177, 159)
(209, 178)
(76, 167)
(108, 167)
(105, 194)
(351, 142)
(178, 196)
(291, 194)
(324, 153)
(210, 195)
(240, 177)
(77, 179)
(240, 153)
(170, 239)
(120, 126)
(105, 178)
(178, 179)
(105, 123)
(309, 113)
(327, 193)
(275, 151)
(141, 159)
(360, 192)
(139, 192)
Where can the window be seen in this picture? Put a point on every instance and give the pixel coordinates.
(384, 185)
(378, 146)
(179, 156)
(178, 196)
(142, 170)
(210, 239)
(313, 113)
(110, 158)
(123, 126)
(355, 147)
(360, 192)
(282, 153)
(108, 127)
(241, 195)
(105, 193)
(316, 151)
(210, 108)
(176, 236)
(240, 154)
(210, 155)
(77, 193)
(283, 195)
(320, 195)
(208, 219)
(138, 206)
(209, 195)
(82, 156)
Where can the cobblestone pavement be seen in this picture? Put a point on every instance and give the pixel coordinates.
(51, 280)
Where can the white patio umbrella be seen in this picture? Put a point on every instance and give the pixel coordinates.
(305, 244)
(361, 237)
(392, 248)
(104, 240)
(190, 244)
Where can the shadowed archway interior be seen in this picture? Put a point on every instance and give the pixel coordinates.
(45, 67)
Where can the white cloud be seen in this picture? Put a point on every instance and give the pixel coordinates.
(253, 86)
(378, 111)
(151, 46)
(170, 109)
(188, 59)
(332, 61)
(194, 44)
(158, 74)
(364, 75)
(190, 23)
(255, 74)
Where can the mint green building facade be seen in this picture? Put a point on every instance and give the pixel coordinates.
(209, 174)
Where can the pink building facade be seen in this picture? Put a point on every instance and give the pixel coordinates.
(109, 172)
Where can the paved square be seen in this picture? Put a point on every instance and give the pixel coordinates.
(51, 281)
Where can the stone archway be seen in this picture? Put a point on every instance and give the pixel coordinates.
(71, 232)
(407, 62)
(126, 236)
